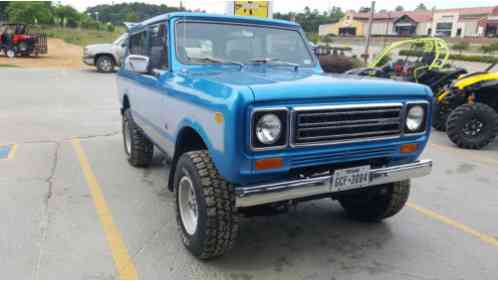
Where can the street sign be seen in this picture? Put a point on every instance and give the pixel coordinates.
(252, 8)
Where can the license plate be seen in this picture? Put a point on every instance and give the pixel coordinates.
(351, 178)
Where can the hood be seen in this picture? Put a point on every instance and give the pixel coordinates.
(105, 46)
(274, 84)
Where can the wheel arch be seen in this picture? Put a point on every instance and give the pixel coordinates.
(188, 139)
(488, 95)
(97, 56)
(125, 104)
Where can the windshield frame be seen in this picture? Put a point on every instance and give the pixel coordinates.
(297, 30)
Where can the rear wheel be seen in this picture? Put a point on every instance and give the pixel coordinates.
(105, 64)
(138, 148)
(378, 203)
(10, 53)
(205, 206)
(472, 126)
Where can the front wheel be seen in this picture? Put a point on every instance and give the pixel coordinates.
(205, 206)
(472, 126)
(10, 53)
(376, 204)
(105, 64)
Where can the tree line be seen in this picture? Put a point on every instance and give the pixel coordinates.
(97, 17)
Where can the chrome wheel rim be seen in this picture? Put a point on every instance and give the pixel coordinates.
(106, 65)
(188, 204)
(127, 138)
(10, 54)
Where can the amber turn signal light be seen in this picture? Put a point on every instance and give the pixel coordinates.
(270, 163)
(408, 148)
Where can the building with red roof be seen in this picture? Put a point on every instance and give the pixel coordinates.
(462, 22)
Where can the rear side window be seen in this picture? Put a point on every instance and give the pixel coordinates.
(158, 46)
(137, 44)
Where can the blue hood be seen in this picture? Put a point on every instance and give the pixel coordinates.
(273, 84)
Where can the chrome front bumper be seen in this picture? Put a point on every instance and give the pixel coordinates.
(248, 196)
(89, 60)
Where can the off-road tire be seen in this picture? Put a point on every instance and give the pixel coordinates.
(217, 224)
(464, 114)
(141, 148)
(105, 64)
(373, 205)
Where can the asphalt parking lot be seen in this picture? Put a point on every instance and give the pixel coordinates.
(72, 208)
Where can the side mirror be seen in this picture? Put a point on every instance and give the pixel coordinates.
(137, 63)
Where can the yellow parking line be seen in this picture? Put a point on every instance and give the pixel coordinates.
(455, 224)
(122, 260)
(12, 152)
(468, 154)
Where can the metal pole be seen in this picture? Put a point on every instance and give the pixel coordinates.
(369, 32)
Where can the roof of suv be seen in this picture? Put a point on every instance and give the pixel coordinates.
(213, 17)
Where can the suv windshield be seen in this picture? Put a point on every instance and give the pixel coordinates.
(120, 39)
(218, 43)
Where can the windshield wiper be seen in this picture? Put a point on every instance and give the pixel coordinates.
(274, 61)
(218, 61)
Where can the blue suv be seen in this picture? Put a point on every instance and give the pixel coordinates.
(248, 119)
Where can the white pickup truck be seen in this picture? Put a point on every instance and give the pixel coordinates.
(106, 56)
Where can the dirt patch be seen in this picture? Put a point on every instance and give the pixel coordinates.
(60, 55)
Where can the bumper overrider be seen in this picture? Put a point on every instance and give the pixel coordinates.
(248, 196)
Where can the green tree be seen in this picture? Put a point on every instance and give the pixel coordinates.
(327, 39)
(421, 7)
(66, 15)
(3, 7)
(122, 12)
(131, 16)
(310, 20)
(30, 12)
(399, 8)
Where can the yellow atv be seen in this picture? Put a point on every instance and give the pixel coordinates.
(467, 109)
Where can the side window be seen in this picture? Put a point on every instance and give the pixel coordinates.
(137, 44)
(158, 50)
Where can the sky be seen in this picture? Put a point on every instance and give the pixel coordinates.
(284, 6)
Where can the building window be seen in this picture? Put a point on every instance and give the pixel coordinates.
(444, 29)
(459, 32)
(429, 31)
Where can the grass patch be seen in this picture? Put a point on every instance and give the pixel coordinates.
(7, 65)
(81, 37)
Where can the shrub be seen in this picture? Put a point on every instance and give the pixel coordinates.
(460, 47)
(336, 64)
(110, 27)
(490, 48)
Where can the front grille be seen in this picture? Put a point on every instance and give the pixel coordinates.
(324, 125)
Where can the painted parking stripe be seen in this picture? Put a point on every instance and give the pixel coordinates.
(8, 152)
(122, 260)
(455, 224)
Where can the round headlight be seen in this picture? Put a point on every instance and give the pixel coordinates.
(268, 129)
(415, 118)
